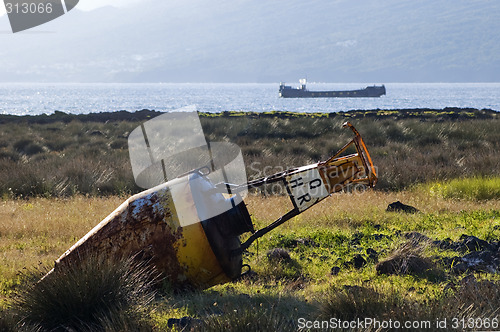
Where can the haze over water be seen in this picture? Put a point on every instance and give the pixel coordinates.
(39, 98)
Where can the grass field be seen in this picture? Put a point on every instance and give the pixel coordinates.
(37, 231)
(66, 176)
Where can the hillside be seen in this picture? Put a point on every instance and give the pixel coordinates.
(248, 41)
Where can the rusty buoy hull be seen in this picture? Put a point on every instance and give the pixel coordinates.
(161, 225)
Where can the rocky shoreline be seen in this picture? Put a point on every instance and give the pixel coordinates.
(448, 113)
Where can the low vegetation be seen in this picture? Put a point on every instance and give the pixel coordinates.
(63, 155)
(319, 279)
(348, 258)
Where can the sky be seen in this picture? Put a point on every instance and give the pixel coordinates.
(93, 4)
(259, 41)
(87, 5)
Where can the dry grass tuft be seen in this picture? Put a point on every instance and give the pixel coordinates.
(94, 295)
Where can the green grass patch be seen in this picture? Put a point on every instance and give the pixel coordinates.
(474, 188)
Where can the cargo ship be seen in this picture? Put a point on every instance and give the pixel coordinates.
(302, 92)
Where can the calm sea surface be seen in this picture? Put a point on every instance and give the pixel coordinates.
(25, 98)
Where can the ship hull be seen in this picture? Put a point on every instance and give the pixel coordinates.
(368, 92)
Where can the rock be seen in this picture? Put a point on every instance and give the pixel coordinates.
(416, 236)
(400, 207)
(460, 268)
(278, 254)
(335, 271)
(451, 261)
(97, 133)
(467, 243)
(477, 255)
(379, 237)
(304, 242)
(372, 255)
(472, 243)
(481, 256)
(476, 261)
(404, 264)
(449, 286)
(444, 244)
(468, 280)
(184, 324)
(356, 239)
(358, 261)
(481, 261)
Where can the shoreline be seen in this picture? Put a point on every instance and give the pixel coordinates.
(447, 113)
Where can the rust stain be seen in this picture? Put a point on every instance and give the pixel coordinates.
(144, 227)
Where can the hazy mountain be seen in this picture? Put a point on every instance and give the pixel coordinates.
(262, 41)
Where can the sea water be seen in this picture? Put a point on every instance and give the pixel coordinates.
(38, 98)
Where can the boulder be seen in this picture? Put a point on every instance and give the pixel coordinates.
(400, 207)
(278, 254)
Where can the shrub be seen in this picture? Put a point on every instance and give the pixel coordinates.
(9, 155)
(19, 145)
(7, 321)
(58, 144)
(28, 147)
(93, 295)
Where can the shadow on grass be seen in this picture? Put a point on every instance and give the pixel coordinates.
(231, 310)
(471, 299)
